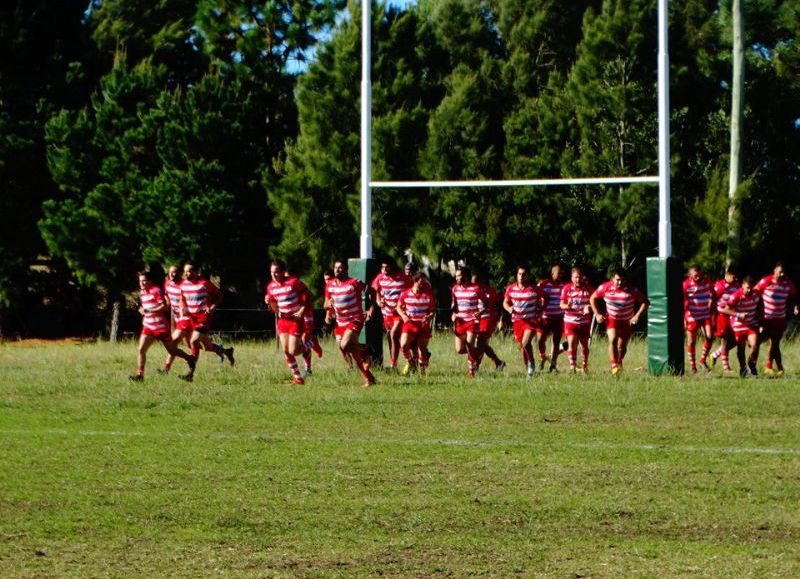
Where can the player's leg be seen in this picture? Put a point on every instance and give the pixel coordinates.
(752, 360)
(583, 339)
(407, 342)
(423, 337)
(708, 341)
(556, 332)
(613, 349)
(393, 337)
(173, 351)
(691, 339)
(474, 351)
(145, 341)
(526, 345)
(351, 345)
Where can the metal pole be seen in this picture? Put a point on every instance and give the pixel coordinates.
(664, 224)
(366, 130)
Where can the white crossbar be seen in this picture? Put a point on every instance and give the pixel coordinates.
(514, 183)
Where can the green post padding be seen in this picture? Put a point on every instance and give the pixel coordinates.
(665, 317)
(372, 334)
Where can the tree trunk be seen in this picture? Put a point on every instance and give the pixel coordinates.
(113, 334)
(737, 103)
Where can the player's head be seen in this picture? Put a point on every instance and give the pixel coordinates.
(695, 273)
(409, 268)
(174, 273)
(277, 270)
(388, 267)
(778, 272)
(419, 281)
(747, 284)
(327, 275)
(522, 275)
(478, 278)
(190, 271)
(463, 275)
(730, 275)
(576, 277)
(340, 269)
(618, 277)
(144, 280)
(555, 272)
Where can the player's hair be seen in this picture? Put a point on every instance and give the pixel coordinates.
(412, 267)
(695, 267)
(342, 261)
(778, 264)
(418, 276)
(465, 272)
(144, 273)
(522, 266)
(748, 279)
(618, 271)
(278, 263)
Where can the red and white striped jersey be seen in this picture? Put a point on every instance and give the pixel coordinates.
(417, 306)
(198, 295)
(289, 296)
(526, 301)
(775, 295)
(173, 293)
(388, 288)
(150, 299)
(620, 301)
(747, 305)
(577, 298)
(698, 298)
(468, 300)
(491, 302)
(722, 293)
(552, 308)
(345, 296)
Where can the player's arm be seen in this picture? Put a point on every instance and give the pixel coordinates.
(508, 305)
(401, 308)
(215, 296)
(594, 302)
(644, 303)
(373, 298)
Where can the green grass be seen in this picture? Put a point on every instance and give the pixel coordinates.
(239, 474)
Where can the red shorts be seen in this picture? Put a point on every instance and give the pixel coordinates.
(742, 336)
(390, 320)
(521, 325)
(693, 326)
(487, 325)
(774, 326)
(340, 329)
(579, 330)
(418, 329)
(201, 322)
(551, 325)
(291, 326)
(623, 328)
(183, 325)
(462, 327)
(723, 326)
(163, 335)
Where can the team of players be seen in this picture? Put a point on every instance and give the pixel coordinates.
(739, 315)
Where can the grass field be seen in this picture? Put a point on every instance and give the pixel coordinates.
(239, 474)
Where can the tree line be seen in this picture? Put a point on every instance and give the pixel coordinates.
(136, 134)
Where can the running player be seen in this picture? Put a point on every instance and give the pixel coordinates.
(723, 290)
(155, 326)
(385, 290)
(698, 301)
(309, 337)
(199, 300)
(624, 306)
(552, 323)
(524, 301)
(776, 292)
(287, 297)
(416, 307)
(577, 318)
(490, 317)
(743, 308)
(466, 305)
(343, 294)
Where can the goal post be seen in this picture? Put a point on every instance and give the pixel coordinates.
(664, 330)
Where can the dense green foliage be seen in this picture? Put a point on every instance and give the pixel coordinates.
(242, 475)
(135, 134)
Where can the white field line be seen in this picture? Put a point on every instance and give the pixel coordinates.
(689, 449)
